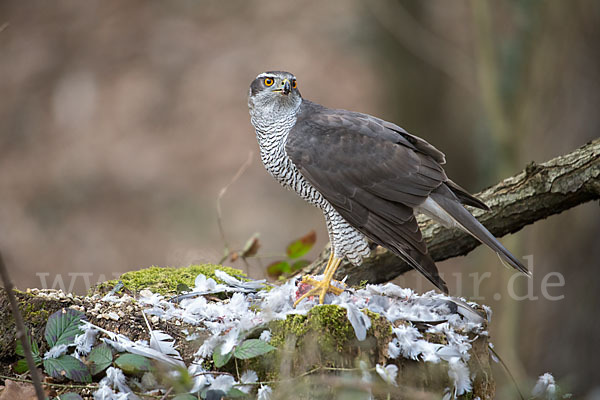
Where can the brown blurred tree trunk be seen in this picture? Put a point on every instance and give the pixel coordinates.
(539, 191)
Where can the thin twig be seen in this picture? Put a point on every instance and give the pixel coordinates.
(302, 375)
(4, 26)
(57, 385)
(510, 375)
(167, 394)
(21, 333)
(211, 373)
(222, 192)
(90, 386)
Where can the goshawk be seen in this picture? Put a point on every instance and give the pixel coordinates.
(369, 177)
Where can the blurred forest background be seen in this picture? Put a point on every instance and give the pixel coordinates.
(121, 121)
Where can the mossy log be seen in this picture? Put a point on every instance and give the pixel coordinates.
(318, 355)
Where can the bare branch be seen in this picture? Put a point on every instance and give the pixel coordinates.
(222, 192)
(21, 332)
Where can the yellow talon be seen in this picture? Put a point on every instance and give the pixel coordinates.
(324, 286)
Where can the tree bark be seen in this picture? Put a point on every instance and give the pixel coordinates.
(537, 192)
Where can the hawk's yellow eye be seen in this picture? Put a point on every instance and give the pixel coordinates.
(294, 84)
(269, 82)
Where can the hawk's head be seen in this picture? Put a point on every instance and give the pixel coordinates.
(274, 90)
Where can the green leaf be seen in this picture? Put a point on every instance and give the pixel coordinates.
(234, 393)
(100, 358)
(185, 396)
(67, 367)
(278, 268)
(69, 396)
(133, 363)
(21, 366)
(182, 287)
(300, 247)
(63, 326)
(34, 347)
(252, 348)
(299, 265)
(220, 359)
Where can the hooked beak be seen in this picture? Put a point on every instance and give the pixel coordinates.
(286, 87)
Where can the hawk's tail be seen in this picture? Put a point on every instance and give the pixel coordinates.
(424, 264)
(447, 203)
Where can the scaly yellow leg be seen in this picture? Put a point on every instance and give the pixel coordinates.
(329, 262)
(324, 286)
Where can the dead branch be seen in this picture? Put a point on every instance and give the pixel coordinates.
(21, 332)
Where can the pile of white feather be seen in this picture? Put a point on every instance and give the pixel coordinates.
(249, 309)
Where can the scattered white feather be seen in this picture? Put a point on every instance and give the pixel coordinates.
(359, 321)
(545, 388)
(408, 340)
(149, 298)
(222, 382)
(85, 341)
(248, 377)
(122, 343)
(106, 393)
(488, 311)
(114, 379)
(112, 298)
(204, 284)
(388, 373)
(394, 349)
(459, 374)
(196, 372)
(236, 283)
(207, 347)
(391, 290)
(493, 353)
(264, 393)
(164, 343)
(56, 351)
(265, 335)
(231, 340)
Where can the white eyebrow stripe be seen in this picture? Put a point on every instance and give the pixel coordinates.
(267, 75)
(264, 75)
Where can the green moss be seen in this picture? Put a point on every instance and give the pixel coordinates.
(322, 338)
(34, 314)
(334, 326)
(380, 326)
(294, 324)
(165, 279)
(329, 322)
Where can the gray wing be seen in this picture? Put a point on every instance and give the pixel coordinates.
(374, 175)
